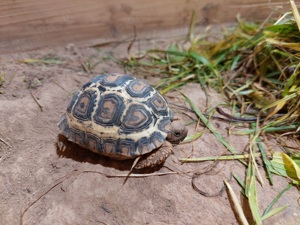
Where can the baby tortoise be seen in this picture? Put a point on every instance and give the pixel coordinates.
(122, 117)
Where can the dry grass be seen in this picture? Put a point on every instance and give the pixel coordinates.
(256, 65)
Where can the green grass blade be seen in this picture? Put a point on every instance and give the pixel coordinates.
(171, 87)
(208, 124)
(251, 192)
(45, 61)
(267, 130)
(204, 61)
(240, 182)
(265, 159)
(172, 52)
(273, 212)
(194, 136)
(268, 209)
(222, 157)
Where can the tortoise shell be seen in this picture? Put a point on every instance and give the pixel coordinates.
(118, 116)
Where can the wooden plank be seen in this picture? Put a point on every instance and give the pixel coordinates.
(32, 24)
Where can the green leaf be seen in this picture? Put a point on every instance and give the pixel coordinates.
(208, 124)
(273, 212)
(267, 213)
(265, 159)
(285, 166)
(283, 29)
(194, 136)
(239, 181)
(251, 192)
(204, 61)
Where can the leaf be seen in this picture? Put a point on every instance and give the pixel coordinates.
(222, 157)
(296, 13)
(170, 87)
(194, 136)
(282, 29)
(273, 212)
(208, 124)
(204, 61)
(281, 102)
(291, 165)
(293, 46)
(240, 182)
(251, 192)
(237, 206)
(267, 129)
(291, 81)
(174, 57)
(267, 213)
(265, 159)
(46, 61)
(285, 166)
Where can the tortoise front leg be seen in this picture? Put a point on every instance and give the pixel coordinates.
(155, 158)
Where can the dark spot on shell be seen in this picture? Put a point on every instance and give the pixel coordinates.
(158, 104)
(138, 89)
(115, 80)
(109, 110)
(84, 106)
(137, 118)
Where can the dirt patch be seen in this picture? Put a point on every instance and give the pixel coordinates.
(73, 188)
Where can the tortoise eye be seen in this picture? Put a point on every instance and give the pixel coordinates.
(177, 134)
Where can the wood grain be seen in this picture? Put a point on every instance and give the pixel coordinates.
(32, 24)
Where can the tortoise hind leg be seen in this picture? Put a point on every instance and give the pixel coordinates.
(155, 158)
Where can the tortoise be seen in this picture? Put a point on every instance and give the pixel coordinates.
(122, 117)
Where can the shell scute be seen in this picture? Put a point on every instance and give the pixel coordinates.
(158, 104)
(139, 89)
(157, 139)
(84, 105)
(137, 118)
(127, 147)
(109, 110)
(115, 80)
(93, 142)
(110, 146)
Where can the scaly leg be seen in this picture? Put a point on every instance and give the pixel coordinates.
(155, 158)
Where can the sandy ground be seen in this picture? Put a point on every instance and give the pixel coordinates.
(40, 185)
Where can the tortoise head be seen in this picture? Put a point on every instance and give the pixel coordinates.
(176, 132)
